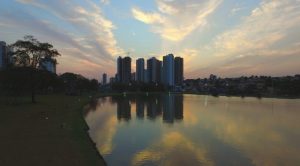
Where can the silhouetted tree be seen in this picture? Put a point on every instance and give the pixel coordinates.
(76, 84)
(15, 82)
(94, 85)
(31, 53)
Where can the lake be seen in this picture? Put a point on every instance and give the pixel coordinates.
(195, 130)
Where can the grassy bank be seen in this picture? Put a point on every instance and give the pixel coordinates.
(51, 132)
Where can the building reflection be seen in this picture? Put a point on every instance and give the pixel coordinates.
(140, 106)
(225, 129)
(123, 109)
(169, 107)
(172, 108)
(154, 108)
(178, 101)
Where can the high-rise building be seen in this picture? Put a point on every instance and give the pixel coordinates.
(126, 70)
(123, 70)
(154, 67)
(168, 70)
(140, 67)
(112, 80)
(162, 73)
(158, 71)
(146, 80)
(119, 70)
(150, 66)
(3, 55)
(178, 68)
(104, 79)
(133, 78)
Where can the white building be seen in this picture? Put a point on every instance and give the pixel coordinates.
(168, 70)
(49, 65)
(3, 54)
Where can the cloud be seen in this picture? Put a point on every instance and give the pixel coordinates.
(166, 8)
(177, 19)
(275, 63)
(188, 55)
(30, 2)
(148, 18)
(103, 127)
(268, 24)
(263, 38)
(236, 10)
(106, 2)
(264, 42)
(72, 21)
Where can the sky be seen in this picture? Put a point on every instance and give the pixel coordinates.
(229, 38)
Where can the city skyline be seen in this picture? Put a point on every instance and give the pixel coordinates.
(169, 71)
(236, 38)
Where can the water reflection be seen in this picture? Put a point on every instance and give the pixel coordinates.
(168, 148)
(212, 131)
(153, 107)
(140, 107)
(123, 109)
(170, 107)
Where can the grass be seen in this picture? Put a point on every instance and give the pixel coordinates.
(51, 132)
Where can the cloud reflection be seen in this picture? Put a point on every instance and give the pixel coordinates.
(266, 136)
(173, 149)
(219, 130)
(102, 125)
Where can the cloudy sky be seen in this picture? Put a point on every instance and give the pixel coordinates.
(228, 38)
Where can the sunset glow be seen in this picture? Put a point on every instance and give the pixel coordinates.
(226, 38)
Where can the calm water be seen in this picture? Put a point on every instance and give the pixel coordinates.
(196, 130)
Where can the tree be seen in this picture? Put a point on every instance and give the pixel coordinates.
(32, 53)
(75, 84)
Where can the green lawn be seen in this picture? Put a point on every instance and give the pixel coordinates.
(52, 132)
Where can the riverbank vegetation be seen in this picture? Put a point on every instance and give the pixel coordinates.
(256, 86)
(253, 86)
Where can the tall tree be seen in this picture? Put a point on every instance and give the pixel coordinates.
(32, 53)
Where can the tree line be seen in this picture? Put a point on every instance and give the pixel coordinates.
(285, 86)
(25, 75)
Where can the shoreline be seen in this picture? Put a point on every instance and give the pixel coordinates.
(259, 97)
(106, 94)
(86, 131)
